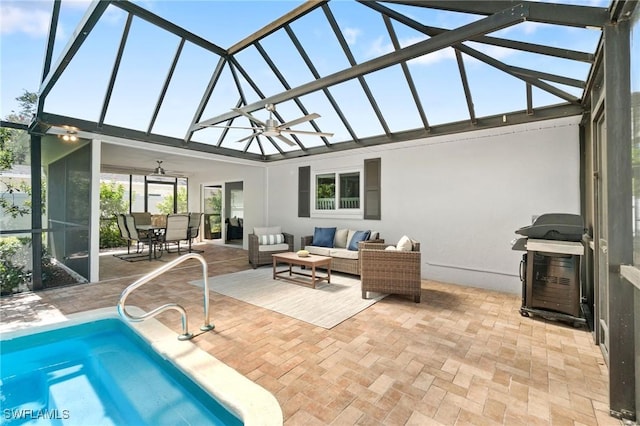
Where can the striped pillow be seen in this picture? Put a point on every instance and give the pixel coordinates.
(271, 239)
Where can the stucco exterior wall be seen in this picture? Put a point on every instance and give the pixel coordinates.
(462, 196)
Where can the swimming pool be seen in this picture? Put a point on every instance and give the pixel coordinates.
(98, 370)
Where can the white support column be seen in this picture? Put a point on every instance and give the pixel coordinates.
(94, 226)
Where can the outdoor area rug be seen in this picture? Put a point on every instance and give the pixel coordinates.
(325, 306)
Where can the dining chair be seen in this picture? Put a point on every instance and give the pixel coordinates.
(176, 230)
(142, 218)
(124, 233)
(141, 238)
(194, 230)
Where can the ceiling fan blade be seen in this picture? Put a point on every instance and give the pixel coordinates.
(304, 132)
(249, 116)
(253, 135)
(286, 140)
(234, 127)
(307, 117)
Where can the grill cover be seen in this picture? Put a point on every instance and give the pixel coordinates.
(555, 226)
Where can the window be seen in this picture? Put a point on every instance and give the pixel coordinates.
(237, 203)
(337, 193)
(350, 191)
(326, 192)
(358, 197)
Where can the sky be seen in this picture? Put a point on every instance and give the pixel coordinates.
(149, 51)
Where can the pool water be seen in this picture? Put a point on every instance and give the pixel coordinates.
(98, 373)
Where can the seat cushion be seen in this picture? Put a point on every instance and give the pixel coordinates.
(344, 253)
(320, 251)
(273, 247)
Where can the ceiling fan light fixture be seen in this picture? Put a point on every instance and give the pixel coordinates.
(70, 136)
(271, 128)
(159, 171)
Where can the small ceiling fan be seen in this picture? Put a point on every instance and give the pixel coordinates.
(272, 128)
(159, 171)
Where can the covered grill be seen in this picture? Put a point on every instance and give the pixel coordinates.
(550, 268)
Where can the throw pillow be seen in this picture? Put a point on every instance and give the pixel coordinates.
(271, 239)
(323, 237)
(391, 248)
(405, 244)
(233, 221)
(374, 235)
(357, 237)
(350, 234)
(341, 238)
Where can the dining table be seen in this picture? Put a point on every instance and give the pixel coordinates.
(153, 233)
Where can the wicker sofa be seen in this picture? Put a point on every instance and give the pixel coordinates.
(342, 259)
(390, 271)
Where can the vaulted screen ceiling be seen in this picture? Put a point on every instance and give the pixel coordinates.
(358, 73)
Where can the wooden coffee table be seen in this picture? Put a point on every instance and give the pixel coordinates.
(312, 261)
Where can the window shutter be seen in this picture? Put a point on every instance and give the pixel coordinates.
(372, 200)
(304, 191)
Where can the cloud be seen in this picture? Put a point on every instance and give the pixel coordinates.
(434, 57)
(430, 58)
(27, 20)
(32, 18)
(381, 47)
(351, 34)
(527, 27)
(378, 48)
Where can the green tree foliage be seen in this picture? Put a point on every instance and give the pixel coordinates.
(166, 205)
(112, 202)
(14, 150)
(214, 204)
(12, 274)
(112, 199)
(28, 101)
(10, 188)
(7, 156)
(14, 143)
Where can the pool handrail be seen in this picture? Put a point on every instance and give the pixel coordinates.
(122, 310)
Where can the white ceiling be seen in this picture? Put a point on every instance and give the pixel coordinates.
(142, 159)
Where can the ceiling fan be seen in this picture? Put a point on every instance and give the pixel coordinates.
(159, 171)
(272, 128)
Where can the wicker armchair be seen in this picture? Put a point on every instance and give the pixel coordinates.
(261, 254)
(390, 271)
